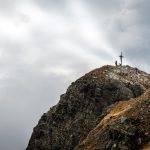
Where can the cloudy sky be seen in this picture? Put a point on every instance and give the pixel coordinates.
(47, 44)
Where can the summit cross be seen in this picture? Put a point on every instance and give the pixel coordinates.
(121, 57)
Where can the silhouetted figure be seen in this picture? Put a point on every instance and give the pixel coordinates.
(116, 63)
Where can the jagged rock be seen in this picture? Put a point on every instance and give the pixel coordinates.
(86, 102)
(131, 133)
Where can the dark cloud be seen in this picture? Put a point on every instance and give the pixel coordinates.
(104, 7)
(51, 3)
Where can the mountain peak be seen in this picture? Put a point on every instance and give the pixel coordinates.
(85, 104)
(124, 73)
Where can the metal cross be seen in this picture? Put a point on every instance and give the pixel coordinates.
(121, 57)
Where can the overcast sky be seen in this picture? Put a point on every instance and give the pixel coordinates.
(47, 44)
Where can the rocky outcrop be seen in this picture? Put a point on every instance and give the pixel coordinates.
(85, 104)
(126, 127)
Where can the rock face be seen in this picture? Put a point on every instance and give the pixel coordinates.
(80, 118)
(126, 127)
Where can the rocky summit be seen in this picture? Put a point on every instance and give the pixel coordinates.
(106, 109)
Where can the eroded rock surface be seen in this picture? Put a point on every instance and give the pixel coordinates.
(85, 104)
(126, 127)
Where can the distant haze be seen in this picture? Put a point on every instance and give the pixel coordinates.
(47, 44)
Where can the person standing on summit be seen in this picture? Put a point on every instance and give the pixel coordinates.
(116, 63)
